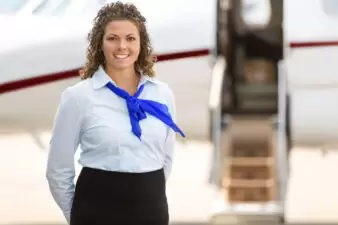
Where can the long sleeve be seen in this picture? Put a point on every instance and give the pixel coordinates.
(64, 142)
(171, 139)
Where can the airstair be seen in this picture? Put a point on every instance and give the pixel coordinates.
(249, 162)
(248, 117)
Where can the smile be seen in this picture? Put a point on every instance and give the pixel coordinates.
(121, 56)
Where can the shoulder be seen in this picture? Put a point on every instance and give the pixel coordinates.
(76, 93)
(164, 89)
(166, 93)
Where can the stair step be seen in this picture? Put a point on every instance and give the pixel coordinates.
(241, 183)
(251, 161)
(250, 173)
(269, 89)
(257, 96)
(250, 153)
(244, 168)
(251, 194)
(256, 104)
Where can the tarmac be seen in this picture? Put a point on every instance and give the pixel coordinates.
(25, 199)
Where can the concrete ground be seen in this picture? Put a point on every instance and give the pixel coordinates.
(25, 198)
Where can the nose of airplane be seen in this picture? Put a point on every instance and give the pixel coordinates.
(33, 46)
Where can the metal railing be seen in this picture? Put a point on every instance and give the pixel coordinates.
(281, 156)
(215, 105)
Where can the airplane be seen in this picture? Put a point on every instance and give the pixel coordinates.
(36, 67)
(55, 44)
(42, 52)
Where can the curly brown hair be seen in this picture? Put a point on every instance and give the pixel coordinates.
(108, 13)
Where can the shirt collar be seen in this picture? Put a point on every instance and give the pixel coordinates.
(100, 79)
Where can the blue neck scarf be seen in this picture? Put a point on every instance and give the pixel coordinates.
(137, 109)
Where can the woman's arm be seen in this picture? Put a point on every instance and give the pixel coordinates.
(171, 137)
(64, 142)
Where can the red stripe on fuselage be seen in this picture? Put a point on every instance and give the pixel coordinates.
(311, 44)
(52, 77)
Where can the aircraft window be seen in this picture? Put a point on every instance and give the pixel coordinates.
(330, 7)
(256, 13)
(11, 6)
(52, 7)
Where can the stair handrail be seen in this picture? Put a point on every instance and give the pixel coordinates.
(215, 99)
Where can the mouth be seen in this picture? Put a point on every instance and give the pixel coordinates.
(120, 56)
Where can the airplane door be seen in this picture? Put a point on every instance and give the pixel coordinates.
(251, 53)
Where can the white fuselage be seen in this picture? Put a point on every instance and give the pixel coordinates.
(37, 49)
(311, 70)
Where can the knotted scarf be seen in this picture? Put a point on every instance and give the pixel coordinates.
(138, 108)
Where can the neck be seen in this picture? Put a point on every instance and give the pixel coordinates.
(123, 78)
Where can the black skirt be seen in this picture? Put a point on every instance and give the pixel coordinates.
(117, 198)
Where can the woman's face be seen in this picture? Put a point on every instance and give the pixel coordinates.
(121, 44)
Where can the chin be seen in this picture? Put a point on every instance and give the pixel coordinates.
(123, 67)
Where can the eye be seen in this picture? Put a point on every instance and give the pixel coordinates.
(111, 38)
(131, 39)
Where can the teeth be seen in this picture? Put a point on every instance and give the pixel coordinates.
(121, 56)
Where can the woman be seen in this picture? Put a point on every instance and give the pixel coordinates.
(123, 119)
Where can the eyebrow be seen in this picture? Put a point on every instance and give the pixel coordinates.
(131, 34)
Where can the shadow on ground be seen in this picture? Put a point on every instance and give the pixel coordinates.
(176, 223)
(185, 223)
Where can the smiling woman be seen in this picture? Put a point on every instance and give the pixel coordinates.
(124, 120)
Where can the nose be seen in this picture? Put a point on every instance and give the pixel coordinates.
(122, 45)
